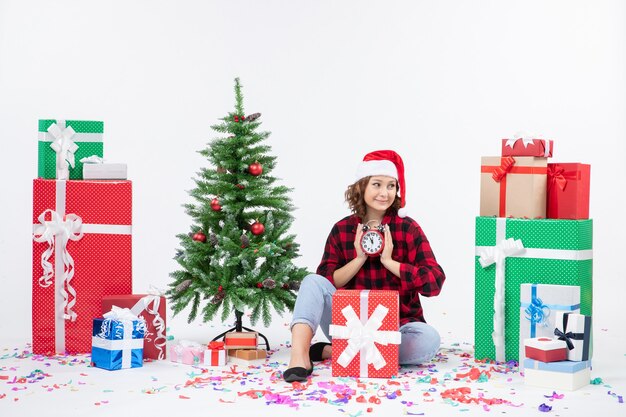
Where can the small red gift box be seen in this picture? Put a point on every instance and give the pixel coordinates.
(545, 349)
(568, 191)
(365, 333)
(82, 251)
(240, 340)
(527, 147)
(150, 308)
(215, 355)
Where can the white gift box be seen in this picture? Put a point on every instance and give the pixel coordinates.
(539, 305)
(563, 375)
(577, 329)
(104, 171)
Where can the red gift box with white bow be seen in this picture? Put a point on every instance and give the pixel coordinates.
(82, 251)
(365, 331)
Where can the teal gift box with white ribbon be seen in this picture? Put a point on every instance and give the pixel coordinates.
(511, 252)
(63, 143)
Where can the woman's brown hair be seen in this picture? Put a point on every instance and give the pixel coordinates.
(354, 197)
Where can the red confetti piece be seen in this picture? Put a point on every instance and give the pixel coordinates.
(182, 397)
(4, 377)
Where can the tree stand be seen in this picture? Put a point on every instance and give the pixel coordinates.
(239, 327)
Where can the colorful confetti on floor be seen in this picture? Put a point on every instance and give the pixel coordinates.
(453, 382)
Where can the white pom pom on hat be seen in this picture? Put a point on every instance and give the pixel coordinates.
(387, 163)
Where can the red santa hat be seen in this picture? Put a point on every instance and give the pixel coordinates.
(387, 163)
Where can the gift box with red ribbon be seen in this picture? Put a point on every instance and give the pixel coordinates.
(151, 308)
(568, 191)
(527, 147)
(545, 349)
(241, 340)
(365, 333)
(215, 354)
(187, 352)
(81, 252)
(513, 187)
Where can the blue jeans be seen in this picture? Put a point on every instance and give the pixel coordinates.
(420, 341)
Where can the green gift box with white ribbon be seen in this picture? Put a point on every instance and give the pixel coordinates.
(510, 252)
(63, 143)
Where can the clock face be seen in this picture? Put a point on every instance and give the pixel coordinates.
(372, 242)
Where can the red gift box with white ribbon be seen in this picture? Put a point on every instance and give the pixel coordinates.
(525, 146)
(365, 331)
(151, 308)
(82, 251)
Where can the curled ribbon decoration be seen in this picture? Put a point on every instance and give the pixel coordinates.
(64, 147)
(158, 322)
(537, 312)
(556, 176)
(64, 229)
(497, 255)
(363, 337)
(216, 345)
(506, 163)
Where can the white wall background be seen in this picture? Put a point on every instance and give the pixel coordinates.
(439, 81)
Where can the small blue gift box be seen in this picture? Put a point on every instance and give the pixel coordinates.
(117, 344)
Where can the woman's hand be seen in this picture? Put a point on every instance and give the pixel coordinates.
(388, 249)
(357, 242)
(385, 256)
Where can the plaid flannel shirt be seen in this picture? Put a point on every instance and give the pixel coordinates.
(419, 271)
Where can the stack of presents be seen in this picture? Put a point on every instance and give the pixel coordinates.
(533, 269)
(82, 256)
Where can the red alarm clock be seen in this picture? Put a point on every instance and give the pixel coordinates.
(373, 240)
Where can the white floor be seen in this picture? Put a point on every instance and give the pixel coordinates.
(68, 386)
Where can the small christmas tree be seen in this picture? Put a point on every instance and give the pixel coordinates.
(238, 254)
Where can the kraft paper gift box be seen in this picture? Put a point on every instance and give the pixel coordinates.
(215, 355)
(63, 143)
(82, 251)
(575, 330)
(517, 251)
(540, 305)
(545, 349)
(241, 340)
(527, 147)
(187, 352)
(248, 354)
(513, 186)
(568, 191)
(564, 375)
(151, 308)
(117, 340)
(365, 333)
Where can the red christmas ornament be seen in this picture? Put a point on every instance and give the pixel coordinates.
(236, 118)
(285, 286)
(215, 205)
(257, 228)
(259, 285)
(241, 187)
(220, 288)
(255, 169)
(199, 237)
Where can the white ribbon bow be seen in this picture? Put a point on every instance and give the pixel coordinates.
(66, 229)
(93, 159)
(498, 254)
(524, 137)
(64, 147)
(363, 337)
